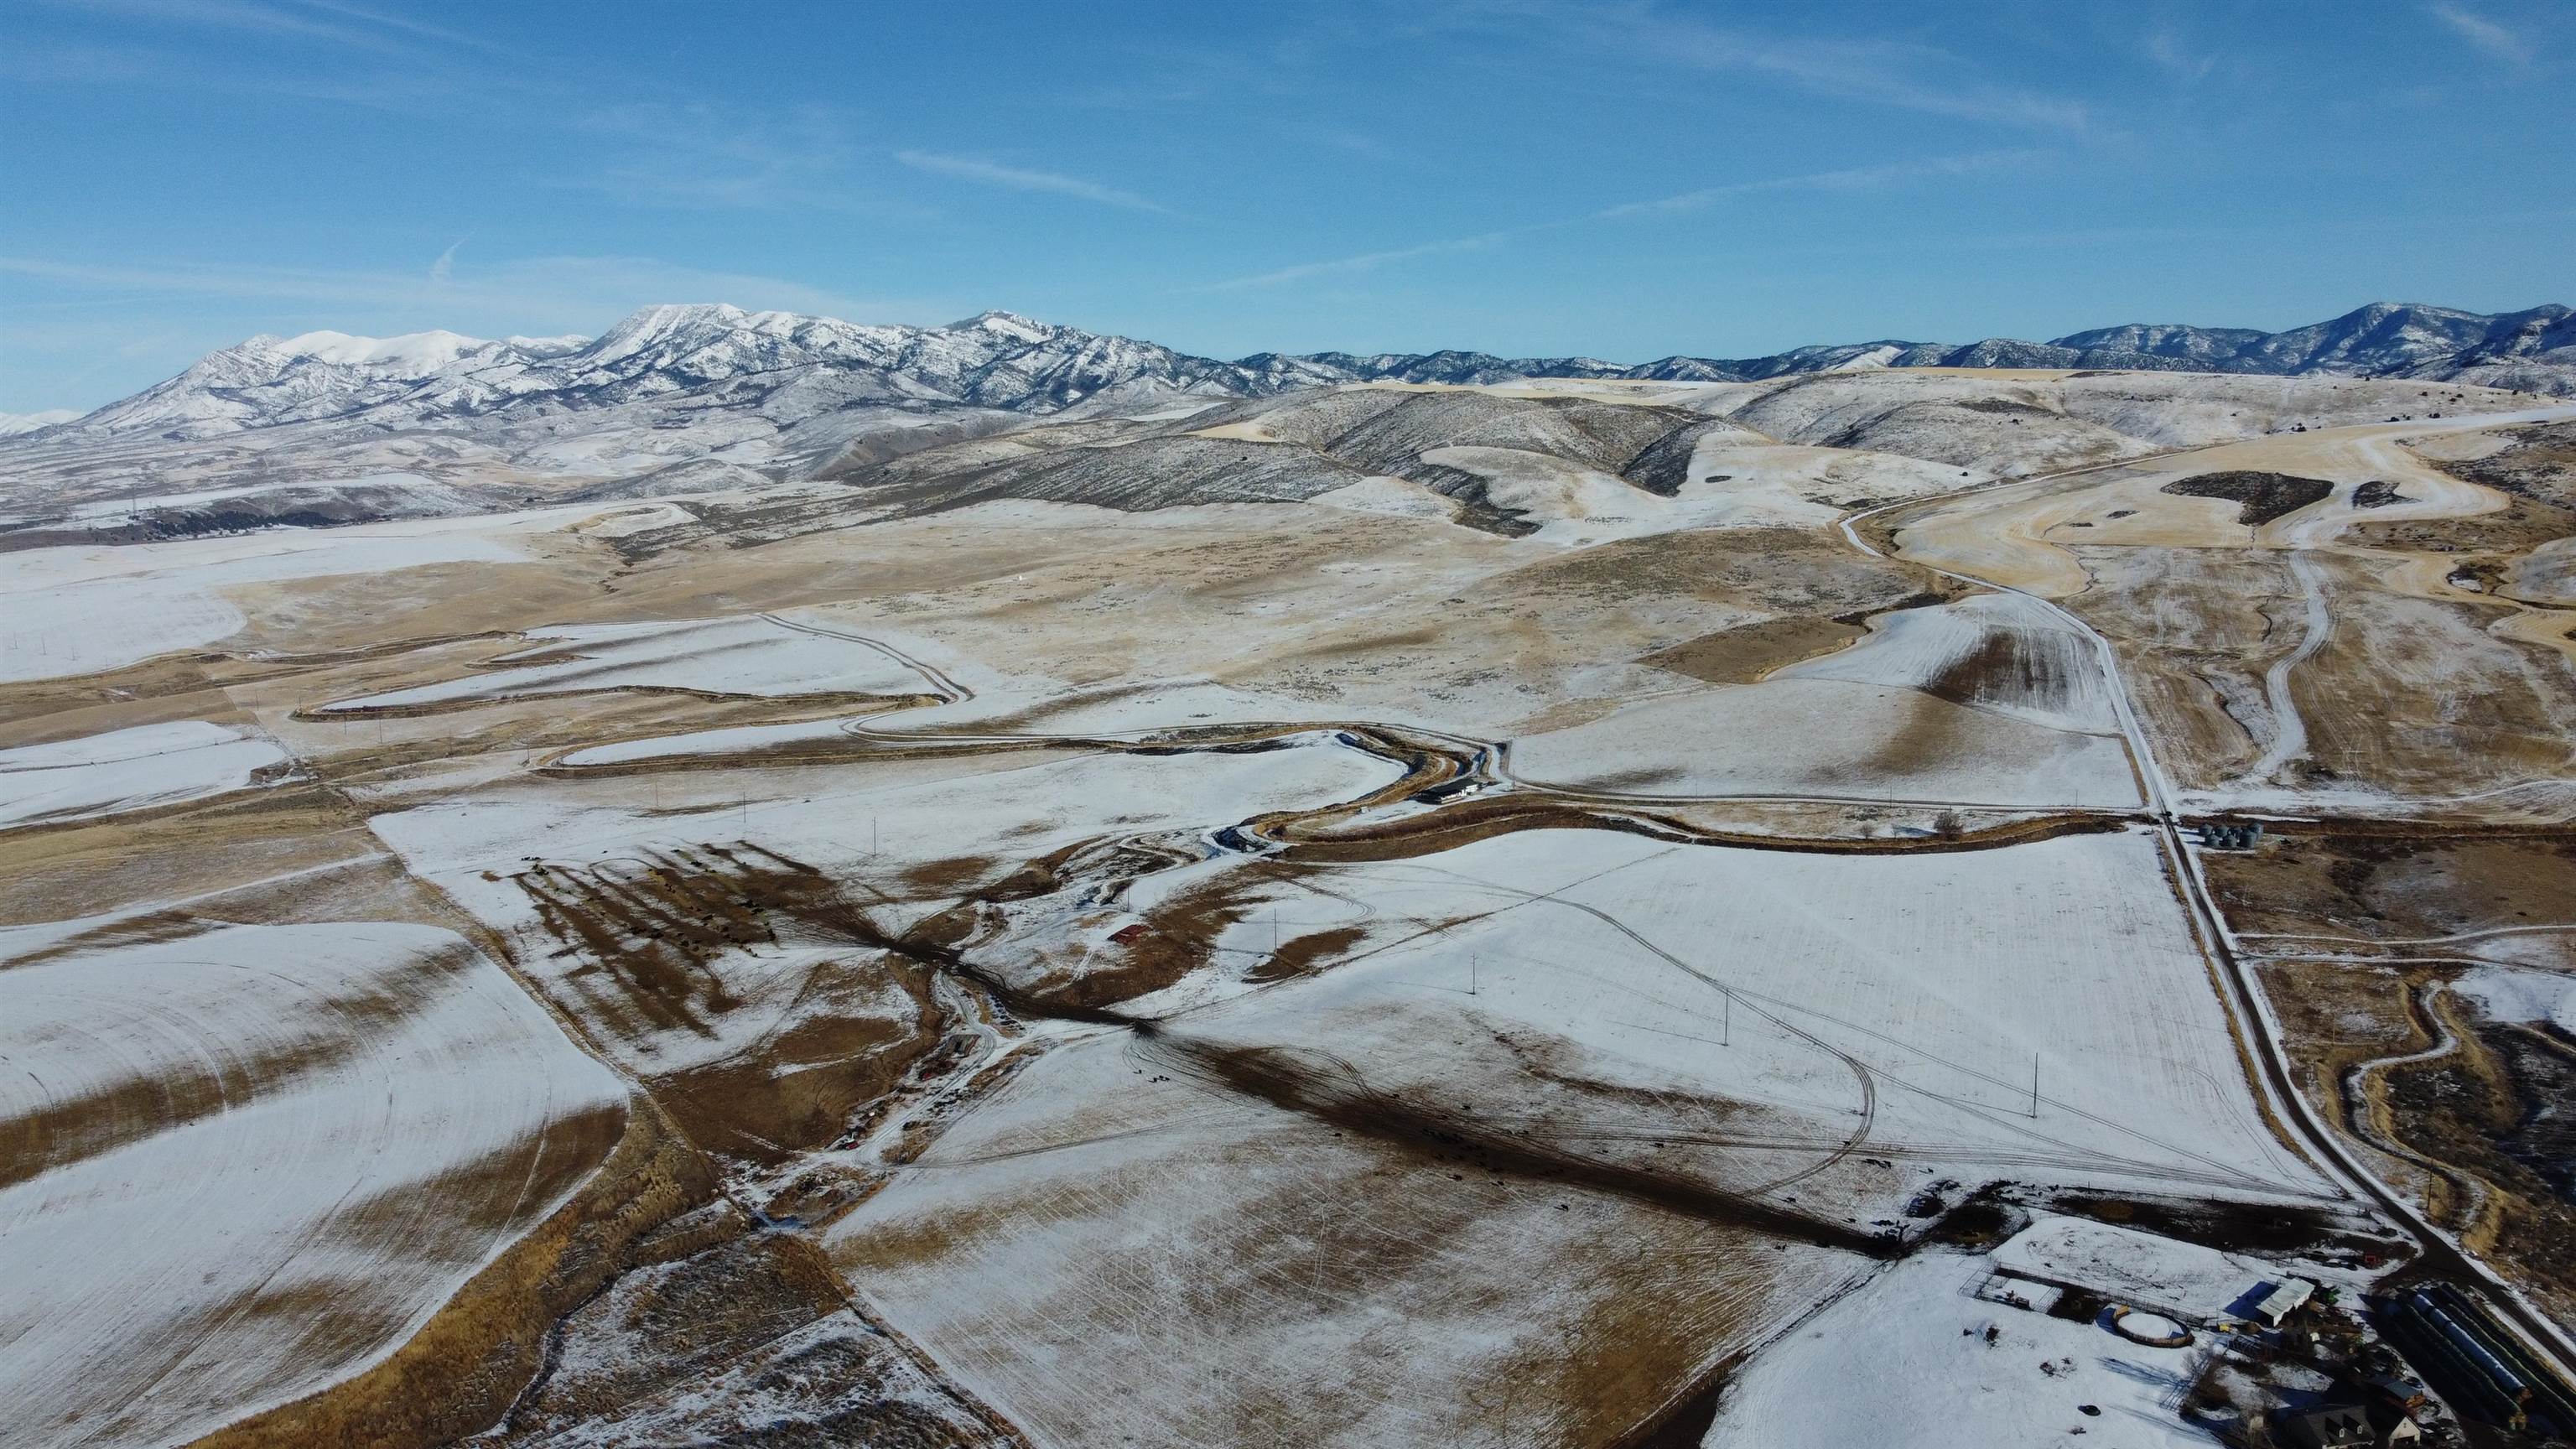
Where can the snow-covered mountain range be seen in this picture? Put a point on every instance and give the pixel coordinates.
(792, 369)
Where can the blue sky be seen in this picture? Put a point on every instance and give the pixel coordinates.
(1620, 180)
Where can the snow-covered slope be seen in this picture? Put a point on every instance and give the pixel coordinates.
(269, 380)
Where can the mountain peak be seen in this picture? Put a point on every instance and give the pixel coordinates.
(413, 354)
(1007, 324)
(649, 328)
(664, 318)
(548, 346)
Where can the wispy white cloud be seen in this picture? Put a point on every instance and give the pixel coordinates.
(328, 51)
(444, 269)
(533, 293)
(701, 157)
(1905, 75)
(405, 24)
(2484, 34)
(1371, 261)
(1857, 178)
(1357, 143)
(988, 173)
(2164, 45)
(250, 17)
(332, 22)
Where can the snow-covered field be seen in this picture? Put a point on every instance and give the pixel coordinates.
(67, 611)
(1746, 478)
(1734, 480)
(81, 628)
(754, 654)
(128, 769)
(2522, 994)
(410, 492)
(1032, 709)
(256, 1158)
(1829, 738)
(2196, 1285)
(1905, 1359)
(1953, 1366)
(875, 826)
(1905, 998)
(935, 811)
(1109, 1254)
(1999, 652)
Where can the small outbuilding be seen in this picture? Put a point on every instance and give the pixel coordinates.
(2397, 1392)
(2274, 1302)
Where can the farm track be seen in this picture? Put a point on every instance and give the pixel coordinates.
(2366, 1106)
(1331, 1089)
(2289, 730)
(2047, 1149)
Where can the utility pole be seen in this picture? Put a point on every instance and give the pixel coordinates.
(1471, 974)
(2034, 1086)
(1726, 1023)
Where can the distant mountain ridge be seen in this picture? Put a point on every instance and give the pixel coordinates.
(12, 424)
(689, 360)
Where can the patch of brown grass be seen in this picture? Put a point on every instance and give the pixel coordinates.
(459, 1374)
(1749, 653)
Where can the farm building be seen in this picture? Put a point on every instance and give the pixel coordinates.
(2186, 1282)
(2339, 1424)
(2279, 1301)
(2397, 1392)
